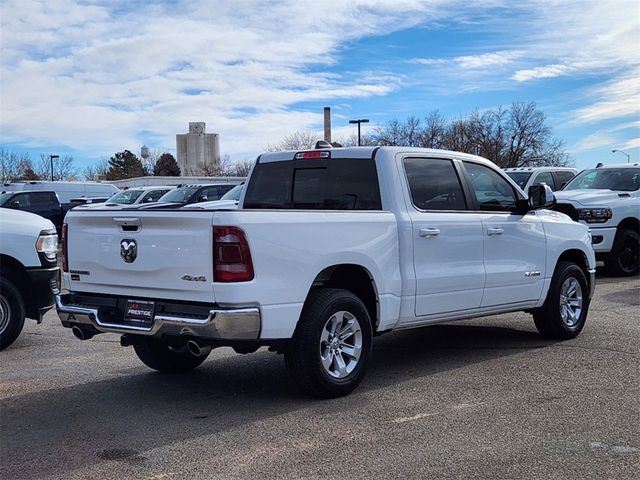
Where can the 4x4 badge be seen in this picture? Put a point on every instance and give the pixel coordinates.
(128, 250)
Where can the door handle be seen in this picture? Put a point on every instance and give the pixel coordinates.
(429, 232)
(495, 231)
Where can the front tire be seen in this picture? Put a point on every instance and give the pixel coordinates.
(330, 351)
(12, 313)
(624, 257)
(564, 312)
(160, 356)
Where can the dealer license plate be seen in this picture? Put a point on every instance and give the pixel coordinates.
(139, 313)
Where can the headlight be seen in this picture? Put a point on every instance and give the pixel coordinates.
(595, 215)
(47, 244)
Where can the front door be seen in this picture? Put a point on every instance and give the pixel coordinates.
(514, 244)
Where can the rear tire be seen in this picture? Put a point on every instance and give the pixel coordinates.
(160, 356)
(565, 310)
(330, 350)
(623, 259)
(12, 313)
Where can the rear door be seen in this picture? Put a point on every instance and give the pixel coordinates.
(447, 239)
(514, 244)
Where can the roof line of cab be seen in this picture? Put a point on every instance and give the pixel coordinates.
(358, 152)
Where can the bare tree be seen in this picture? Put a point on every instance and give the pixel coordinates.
(295, 141)
(63, 167)
(242, 167)
(432, 135)
(351, 140)
(97, 171)
(13, 165)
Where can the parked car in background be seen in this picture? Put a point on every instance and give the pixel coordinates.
(29, 273)
(555, 177)
(43, 203)
(228, 200)
(132, 197)
(329, 248)
(607, 199)
(65, 190)
(187, 194)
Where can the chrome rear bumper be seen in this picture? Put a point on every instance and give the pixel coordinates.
(220, 323)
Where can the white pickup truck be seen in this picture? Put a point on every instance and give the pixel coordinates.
(29, 272)
(330, 248)
(607, 199)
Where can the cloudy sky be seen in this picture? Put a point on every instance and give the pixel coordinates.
(94, 77)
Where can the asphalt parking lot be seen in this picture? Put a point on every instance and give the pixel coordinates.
(486, 398)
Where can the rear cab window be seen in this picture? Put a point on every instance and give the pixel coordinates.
(315, 184)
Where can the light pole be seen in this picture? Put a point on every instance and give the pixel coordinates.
(624, 153)
(359, 121)
(51, 157)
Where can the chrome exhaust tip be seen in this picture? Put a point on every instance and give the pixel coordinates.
(82, 334)
(194, 348)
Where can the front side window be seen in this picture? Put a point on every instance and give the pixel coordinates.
(493, 193)
(434, 184)
(563, 177)
(315, 184)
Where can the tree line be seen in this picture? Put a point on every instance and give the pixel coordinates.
(121, 165)
(516, 136)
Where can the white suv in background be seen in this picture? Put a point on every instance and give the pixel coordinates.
(607, 199)
(555, 177)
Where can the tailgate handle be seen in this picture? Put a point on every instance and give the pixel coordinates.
(128, 224)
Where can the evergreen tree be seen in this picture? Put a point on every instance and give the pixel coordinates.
(166, 166)
(124, 165)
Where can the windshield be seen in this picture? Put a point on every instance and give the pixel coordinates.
(4, 197)
(234, 193)
(520, 178)
(179, 195)
(127, 197)
(621, 179)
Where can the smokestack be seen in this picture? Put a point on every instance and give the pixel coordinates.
(327, 124)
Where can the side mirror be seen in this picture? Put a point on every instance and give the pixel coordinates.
(14, 204)
(202, 198)
(541, 196)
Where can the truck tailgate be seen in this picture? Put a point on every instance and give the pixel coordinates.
(137, 254)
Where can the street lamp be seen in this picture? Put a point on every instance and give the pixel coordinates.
(624, 153)
(51, 157)
(359, 121)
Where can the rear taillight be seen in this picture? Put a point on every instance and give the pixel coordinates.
(231, 255)
(65, 242)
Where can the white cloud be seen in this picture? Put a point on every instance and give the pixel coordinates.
(473, 62)
(103, 77)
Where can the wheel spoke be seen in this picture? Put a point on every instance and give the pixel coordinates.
(342, 366)
(350, 351)
(327, 360)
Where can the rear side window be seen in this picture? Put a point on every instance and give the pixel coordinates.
(545, 177)
(434, 184)
(41, 199)
(309, 184)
